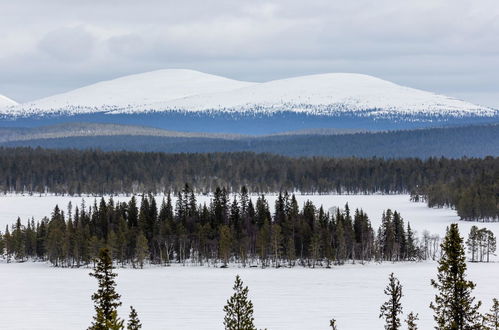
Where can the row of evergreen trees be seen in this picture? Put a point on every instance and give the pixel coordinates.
(454, 305)
(231, 228)
(469, 184)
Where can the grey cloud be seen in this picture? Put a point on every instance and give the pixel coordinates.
(440, 45)
(68, 44)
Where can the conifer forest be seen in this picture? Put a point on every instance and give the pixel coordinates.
(470, 185)
(249, 165)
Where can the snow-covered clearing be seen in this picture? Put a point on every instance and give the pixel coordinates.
(38, 296)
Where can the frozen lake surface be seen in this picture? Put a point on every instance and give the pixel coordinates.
(38, 296)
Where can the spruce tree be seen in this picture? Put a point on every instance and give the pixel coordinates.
(391, 309)
(411, 321)
(411, 244)
(491, 319)
(239, 309)
(133, 320)
(106, 299)
(141, 249)
(454, 305)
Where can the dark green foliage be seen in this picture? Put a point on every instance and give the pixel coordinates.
(411, 321)
(133, 320)
(468, 184)
(106, 299)
(141, 249)
(239, 309)
(210, 233)
(392, 308)
(454, 307)
(491, 319)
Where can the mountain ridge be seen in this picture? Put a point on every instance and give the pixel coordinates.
(178, 90)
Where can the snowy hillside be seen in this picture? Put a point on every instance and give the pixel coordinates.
(132, 91)
(326, 94)
(6, 102)
(186, 91)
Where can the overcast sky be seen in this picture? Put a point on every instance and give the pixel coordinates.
(445, 46)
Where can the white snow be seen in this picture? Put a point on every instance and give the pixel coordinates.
(323, 93)
(186, 90)
(6, 102)
(132, 91)
(38, 296)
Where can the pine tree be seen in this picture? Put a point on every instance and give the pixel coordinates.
(391, 309)
(133, 320)
(454, 305)
(332, 324)
(472, 242)
(141, 250)
(411, 245)
(106, 299)
(225, 244)
(411, 321)
(491, 319)
(239, 309)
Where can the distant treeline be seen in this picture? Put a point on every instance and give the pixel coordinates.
(229, 229)
(452, 142)
(471, 185)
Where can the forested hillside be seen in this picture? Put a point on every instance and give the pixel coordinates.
(452, 142)
(471, 185)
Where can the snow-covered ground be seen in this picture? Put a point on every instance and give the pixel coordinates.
(38, 296)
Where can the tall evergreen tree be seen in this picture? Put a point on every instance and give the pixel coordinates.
(239, 309)
(473, 242)
(391, 309)
(454, 305)
(106, 299)
(133, 320)
(411, 244)
(141, 250)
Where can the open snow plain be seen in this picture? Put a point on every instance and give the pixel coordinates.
(38, 296)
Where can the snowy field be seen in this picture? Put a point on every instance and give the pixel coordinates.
(38, 296)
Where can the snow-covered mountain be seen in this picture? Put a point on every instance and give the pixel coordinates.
(324, 94)
(130, 92)
(6, 102)
(187, 90)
